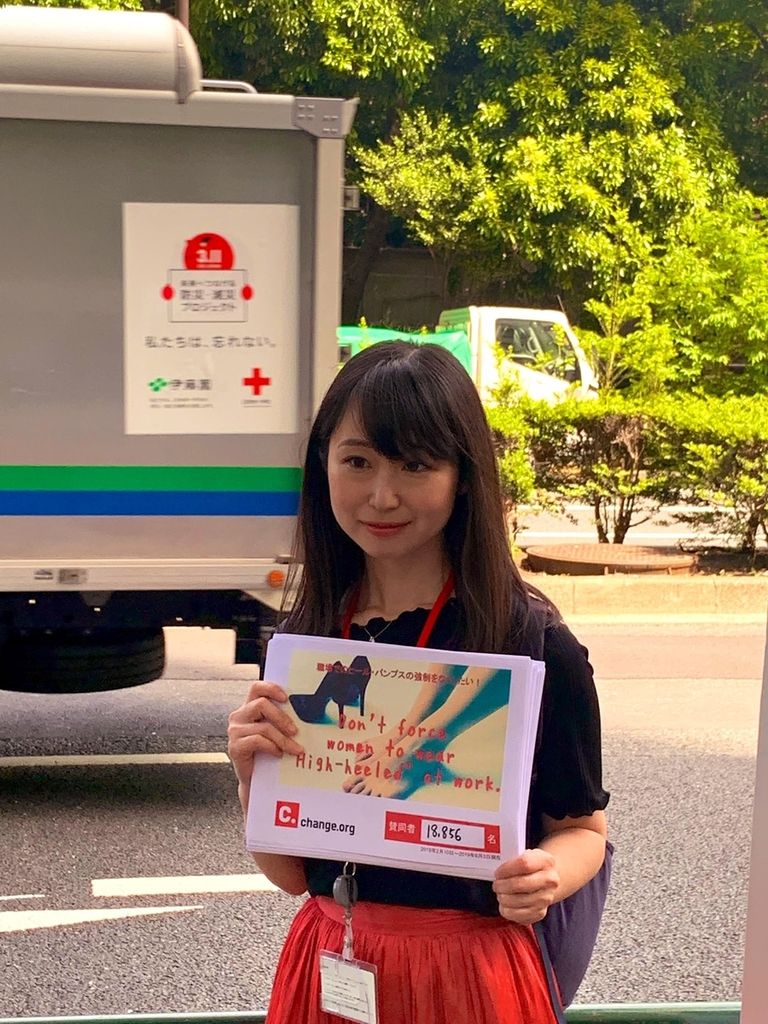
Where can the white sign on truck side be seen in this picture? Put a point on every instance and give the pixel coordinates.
(211, 322)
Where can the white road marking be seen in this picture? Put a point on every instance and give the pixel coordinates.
(26, 896)
(80, 760)
(176, 884)
(27, 920)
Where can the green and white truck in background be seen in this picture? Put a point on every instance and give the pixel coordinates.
(537, 348)
(170, 278)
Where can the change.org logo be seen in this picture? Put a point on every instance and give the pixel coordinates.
(288, 815)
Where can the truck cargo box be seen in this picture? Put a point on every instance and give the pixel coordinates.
(169, 294)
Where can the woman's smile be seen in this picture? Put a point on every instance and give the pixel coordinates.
(385, 529)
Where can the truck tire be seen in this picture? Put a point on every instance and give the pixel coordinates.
(38, 663)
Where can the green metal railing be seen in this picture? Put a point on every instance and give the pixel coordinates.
(614, 1013)
(655, 1013)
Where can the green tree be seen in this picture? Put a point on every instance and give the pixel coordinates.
(519, 138)
(609, 454)
(104, 5)
(532, 145)
(385, 52)
(429, 175)
(721, 48)
(718, 447)
(508, 417)
(709, 292)
(695, 317)
(568, 145)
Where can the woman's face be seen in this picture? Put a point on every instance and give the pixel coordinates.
(390, 508)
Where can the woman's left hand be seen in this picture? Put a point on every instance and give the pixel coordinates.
(526, 886)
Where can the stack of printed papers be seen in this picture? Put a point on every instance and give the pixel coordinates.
(413, 757)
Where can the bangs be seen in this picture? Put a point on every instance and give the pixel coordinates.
(403, 414)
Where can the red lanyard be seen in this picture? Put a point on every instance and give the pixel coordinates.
(429, 625)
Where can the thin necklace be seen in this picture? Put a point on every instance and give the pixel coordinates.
(375, 636)
(426, 632)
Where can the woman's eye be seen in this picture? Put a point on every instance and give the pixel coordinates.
(415, 467)
(356, 462)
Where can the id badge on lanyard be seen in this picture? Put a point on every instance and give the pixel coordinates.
(348, 986)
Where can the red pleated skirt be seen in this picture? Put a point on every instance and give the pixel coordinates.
(434, 966)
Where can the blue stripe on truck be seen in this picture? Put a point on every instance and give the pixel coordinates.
(148, 503)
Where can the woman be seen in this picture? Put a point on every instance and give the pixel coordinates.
(401, 518)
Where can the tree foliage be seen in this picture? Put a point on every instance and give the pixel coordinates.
(571, 130)
(721, 47)
(711, 286)
(383, 51)
(695, 316)
(104, 5)
(531, 143)
(719, 450)
(509, 420)
(548, 144)
(606, 454)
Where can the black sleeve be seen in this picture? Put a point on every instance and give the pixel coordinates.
(568, 762)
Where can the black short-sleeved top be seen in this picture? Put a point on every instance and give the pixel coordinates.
(567, 771)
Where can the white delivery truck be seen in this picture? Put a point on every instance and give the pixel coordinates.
(538, 345)
(170, 269)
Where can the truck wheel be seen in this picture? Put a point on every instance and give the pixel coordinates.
(37, 663)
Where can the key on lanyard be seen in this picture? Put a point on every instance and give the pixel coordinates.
(345, 894)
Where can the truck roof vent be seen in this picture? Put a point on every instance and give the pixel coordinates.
(72, 47)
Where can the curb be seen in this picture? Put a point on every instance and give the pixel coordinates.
(627, 594)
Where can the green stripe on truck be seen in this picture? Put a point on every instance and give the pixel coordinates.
(150, 478)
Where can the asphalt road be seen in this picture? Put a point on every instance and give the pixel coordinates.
(680, 706)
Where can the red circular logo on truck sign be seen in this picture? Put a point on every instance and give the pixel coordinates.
(208, 252)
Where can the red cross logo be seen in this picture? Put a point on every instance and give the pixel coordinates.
(256, 381)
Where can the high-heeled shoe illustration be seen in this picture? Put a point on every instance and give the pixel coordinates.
(341, 685)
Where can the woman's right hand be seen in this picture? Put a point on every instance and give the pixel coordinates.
(260, 725)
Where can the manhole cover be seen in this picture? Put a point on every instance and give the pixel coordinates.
(601, 559)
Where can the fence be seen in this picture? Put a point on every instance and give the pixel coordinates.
(619, 1013)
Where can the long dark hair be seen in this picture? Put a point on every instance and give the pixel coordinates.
(412, 400)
